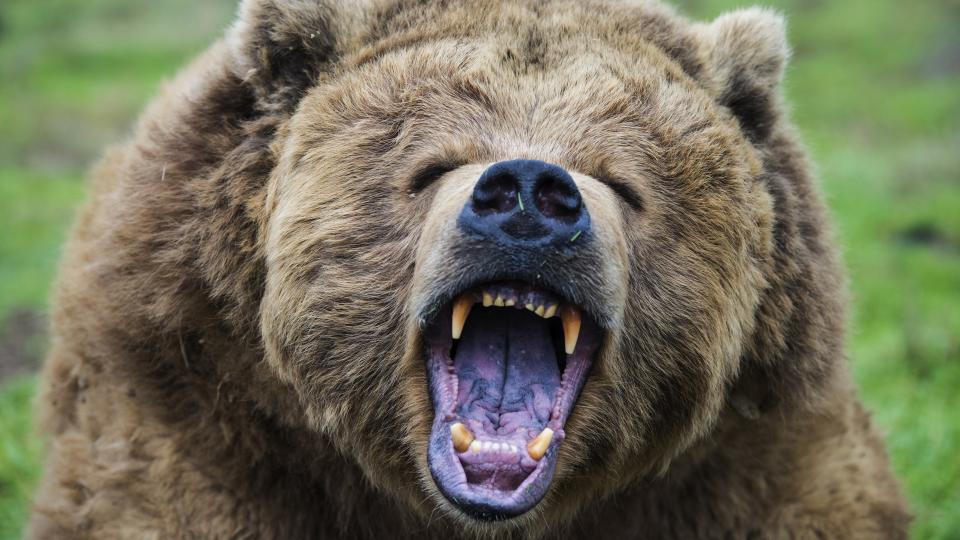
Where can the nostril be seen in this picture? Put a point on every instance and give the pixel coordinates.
(558, 198)
(496, 193)
(525, 202)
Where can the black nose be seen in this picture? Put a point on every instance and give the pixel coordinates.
(526, 201)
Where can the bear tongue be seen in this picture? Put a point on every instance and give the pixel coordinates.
(506, 363)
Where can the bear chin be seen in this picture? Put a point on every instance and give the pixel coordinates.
(505, 361)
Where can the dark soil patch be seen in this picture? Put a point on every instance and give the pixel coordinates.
(929, 236)
(21, 342)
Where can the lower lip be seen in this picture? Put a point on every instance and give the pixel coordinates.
(478, 502)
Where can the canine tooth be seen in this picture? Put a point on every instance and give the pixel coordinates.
(461, 437)
(498, 301)
(487, 299)
(530, 307)
(551, 311)
(538, 446)
(571, 318)
(461, 310)
(475, 446)
(540, 311)
(514, 449)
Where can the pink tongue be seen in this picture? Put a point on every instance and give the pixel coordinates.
(508, 372)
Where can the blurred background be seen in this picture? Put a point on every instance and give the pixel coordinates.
(874, 86)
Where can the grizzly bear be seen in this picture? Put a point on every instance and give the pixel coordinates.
(461, 269)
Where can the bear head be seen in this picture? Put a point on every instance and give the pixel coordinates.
(517, 255)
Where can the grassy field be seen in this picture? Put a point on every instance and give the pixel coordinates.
(875, 88)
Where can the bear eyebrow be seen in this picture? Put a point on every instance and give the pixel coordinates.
(624, 191)
(422, 179)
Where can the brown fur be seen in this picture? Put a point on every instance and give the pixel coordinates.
(236, 336)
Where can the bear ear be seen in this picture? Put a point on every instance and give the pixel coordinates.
(280, 47)
(746, 53)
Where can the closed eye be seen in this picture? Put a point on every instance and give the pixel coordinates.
(429, 174)
(624, 191)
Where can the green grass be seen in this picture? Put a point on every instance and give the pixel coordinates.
(874, 86)
(19, 451)
(35, 209)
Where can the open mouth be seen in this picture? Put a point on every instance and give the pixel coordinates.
(506, 362)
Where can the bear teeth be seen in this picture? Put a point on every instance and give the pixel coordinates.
(539, 445)
(571, 318)
(462, 437)
(461, 310)
(463, 440)
(490, 447)
(569, 315)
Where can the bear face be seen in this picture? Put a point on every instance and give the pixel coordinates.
(655, 283)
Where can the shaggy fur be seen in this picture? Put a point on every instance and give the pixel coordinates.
(236, 347)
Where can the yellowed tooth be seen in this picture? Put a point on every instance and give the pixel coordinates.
(461, 437)
(540, 311)
(510, 303)
(530, 307)
(539, 445)
(487, 299)
(461, 310)
(551, 311)
(498, 301)
(571, 318)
